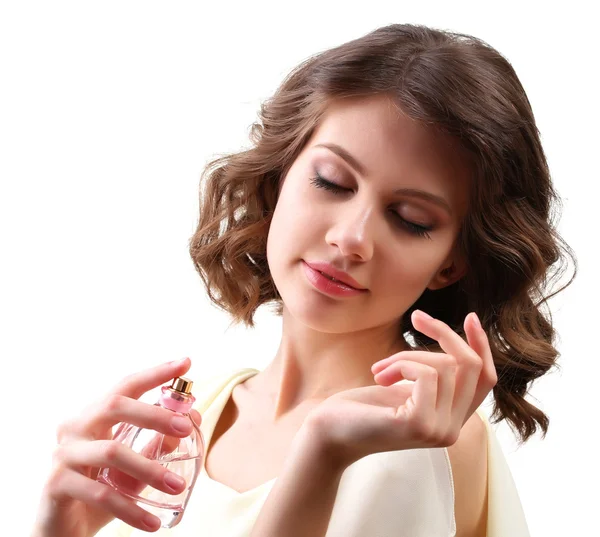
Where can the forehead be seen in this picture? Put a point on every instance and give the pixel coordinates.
(395, 148)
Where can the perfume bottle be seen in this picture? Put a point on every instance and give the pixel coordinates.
(184, 456)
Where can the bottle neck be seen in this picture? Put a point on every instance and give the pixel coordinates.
(176, 401)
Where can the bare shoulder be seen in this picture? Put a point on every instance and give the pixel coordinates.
(468, 458)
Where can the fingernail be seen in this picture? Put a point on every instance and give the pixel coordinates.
(151, 522)
(181, 424)
(477, 321)
(423, 314)
(178, 362)
(174, 481)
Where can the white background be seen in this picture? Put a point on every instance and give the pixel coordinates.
(108, 113)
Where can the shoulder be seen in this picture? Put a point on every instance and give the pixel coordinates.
(210, 385)
(468, 459)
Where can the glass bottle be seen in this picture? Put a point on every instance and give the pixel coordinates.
(184, 456)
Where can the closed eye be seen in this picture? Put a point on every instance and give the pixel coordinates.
(415, 229)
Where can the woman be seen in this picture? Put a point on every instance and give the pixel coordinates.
(395, 207)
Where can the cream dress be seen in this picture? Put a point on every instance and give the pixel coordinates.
(407, 493)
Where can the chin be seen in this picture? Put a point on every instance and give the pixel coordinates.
(317, 320)
(317, 311)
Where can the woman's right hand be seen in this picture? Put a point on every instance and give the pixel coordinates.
(73, 503)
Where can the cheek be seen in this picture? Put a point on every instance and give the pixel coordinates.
(412, 266)
(294, 216)
(406, 275)
(291, 229)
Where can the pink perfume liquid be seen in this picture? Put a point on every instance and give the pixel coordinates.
(184, 456)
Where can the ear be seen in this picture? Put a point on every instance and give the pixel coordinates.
(452, 270)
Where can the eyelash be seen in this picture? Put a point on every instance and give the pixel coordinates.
(320, 182)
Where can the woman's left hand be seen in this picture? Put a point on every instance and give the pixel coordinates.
(428, 412)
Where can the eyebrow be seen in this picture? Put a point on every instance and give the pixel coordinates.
(427, 196)
(413, 192)
(342, 153)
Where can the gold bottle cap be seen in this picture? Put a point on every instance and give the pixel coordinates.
(182, 384)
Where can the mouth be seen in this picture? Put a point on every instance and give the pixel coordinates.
(334, 275)
(334, 280)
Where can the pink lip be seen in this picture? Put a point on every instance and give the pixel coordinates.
(329, 287)
(330, 270)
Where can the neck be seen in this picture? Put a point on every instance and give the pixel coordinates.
(309, 366)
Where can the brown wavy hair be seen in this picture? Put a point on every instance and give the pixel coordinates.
(460, 86)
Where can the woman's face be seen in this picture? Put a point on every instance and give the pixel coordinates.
(391, 225)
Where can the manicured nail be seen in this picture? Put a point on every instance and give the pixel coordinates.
(174, 481)
(477, 321)
(181, 424)
(151, 522)
(423, 314)
(177, 363)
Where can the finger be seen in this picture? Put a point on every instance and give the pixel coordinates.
(196, 416)
(470, 364)
(137, 384)
(421, 405)
(444, 364)
(479, 342)
(468, 377)
(155, 449)
(159, 446)
(119, 408)
(448, 339)
(74, 485)
(127, 468)
(382, 364)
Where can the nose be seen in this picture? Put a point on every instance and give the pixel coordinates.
(353, 231)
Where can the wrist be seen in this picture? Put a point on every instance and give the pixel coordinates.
(301, 501)
(314, 444)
